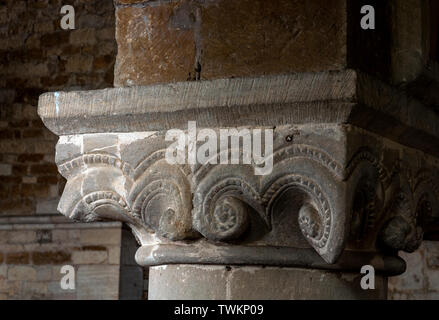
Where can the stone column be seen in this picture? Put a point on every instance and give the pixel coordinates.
(352, 178)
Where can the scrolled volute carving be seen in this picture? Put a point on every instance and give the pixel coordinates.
(310, 221)
(161, 198)
(366, 155)
(229, 218)
(222, 209)
(315, 214)
(391, 208)
(310, 200)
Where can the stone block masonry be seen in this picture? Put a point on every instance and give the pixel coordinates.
(209, 39)
(421, 281)
(30, 263)
(36, 55)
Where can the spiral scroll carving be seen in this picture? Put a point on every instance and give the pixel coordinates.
(221, 213)
(314, 221)
(310, 222)
(162, 200)
(313, 197)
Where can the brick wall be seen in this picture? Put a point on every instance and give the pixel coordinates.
(36, 56)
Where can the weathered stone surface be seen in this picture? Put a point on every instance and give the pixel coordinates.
(151, 47)
(433, 280)
(98, 282)
(412, 279)
(421, 279)
(432, 254)
(314, 98)
(299, 284)
(255, 283)
(191, 40)
(166, 282)
(336, 97)
(327, 186)
(249, 38)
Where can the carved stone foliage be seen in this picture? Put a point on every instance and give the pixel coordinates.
(391, 207)
(401, 231)
(317, 196)
(412, 210)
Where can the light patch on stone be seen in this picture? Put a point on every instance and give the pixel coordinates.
(161, 267)
(102, 149)
(100, 142)
(208, 267)
(150, 240)
(76, 140)
(249, 269)
(147, 27)
(56, 94)
(119, 185)
(129, 137)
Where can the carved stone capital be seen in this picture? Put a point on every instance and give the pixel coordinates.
(321, 206)
(337, 197)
